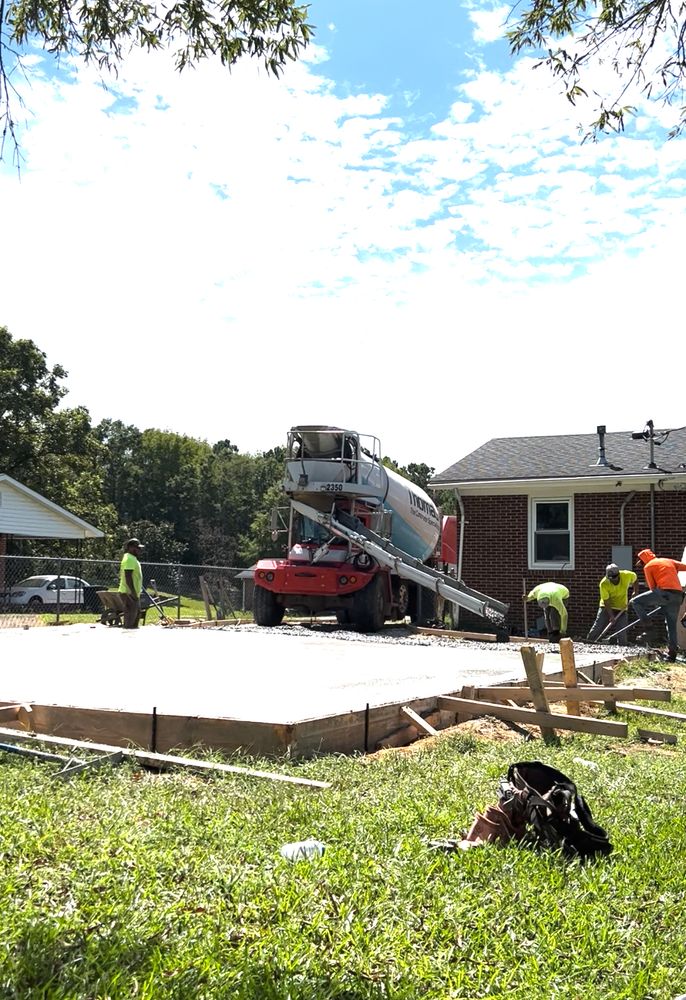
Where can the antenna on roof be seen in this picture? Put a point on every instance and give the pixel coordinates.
(602, 461)
(654, 438)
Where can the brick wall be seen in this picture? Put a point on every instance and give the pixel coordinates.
(495, 556)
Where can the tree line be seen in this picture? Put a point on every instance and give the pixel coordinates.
(189, 500)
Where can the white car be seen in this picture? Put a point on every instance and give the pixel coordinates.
(35, 591)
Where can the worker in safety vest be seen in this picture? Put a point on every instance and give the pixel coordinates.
(615, 588)
(551, 598)
(665, 592)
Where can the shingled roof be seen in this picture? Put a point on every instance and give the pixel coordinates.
(564, 456)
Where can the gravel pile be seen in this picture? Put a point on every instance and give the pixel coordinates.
(404, 637)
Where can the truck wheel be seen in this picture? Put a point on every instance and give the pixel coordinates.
(369, 607)
(402, 598)
(266, 609)
(343, 616)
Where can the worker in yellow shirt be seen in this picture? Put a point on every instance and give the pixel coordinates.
(615, 589)
(551, 598)
(131, 582)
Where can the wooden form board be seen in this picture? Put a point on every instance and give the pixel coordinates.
(581, 693)
(351, 732)
(546, 720)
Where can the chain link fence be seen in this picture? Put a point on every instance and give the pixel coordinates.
(37, 590)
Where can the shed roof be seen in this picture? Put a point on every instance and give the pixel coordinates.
(25, 513)
(565, 456)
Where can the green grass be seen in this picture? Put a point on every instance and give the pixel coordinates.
(190, 608)
(127, 884)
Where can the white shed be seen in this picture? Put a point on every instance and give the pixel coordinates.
(26, 514)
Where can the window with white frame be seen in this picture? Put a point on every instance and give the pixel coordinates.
(551, 534)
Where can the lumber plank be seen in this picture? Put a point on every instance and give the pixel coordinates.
(575, 723)
(581, 693)
(523, 638)
(568, 670)
(533, 664)
(645, 710)
(11, 710)
(420, 724)
(206, 596)
(456, 634)
(161, 759)
(652, 734)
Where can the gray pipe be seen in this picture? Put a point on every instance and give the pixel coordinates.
(652, 516)
(458, 568)
(621, 516)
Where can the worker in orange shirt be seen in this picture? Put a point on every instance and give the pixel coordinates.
(665, 592)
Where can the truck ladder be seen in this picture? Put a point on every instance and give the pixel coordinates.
(343, 525)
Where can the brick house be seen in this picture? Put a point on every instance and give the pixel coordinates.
(561, 507)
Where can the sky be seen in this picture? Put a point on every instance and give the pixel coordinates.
(403, 235)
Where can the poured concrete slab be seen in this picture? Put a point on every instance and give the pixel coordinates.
(280, 676)
(289, 690)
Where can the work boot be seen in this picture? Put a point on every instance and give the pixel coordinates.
(671, 655)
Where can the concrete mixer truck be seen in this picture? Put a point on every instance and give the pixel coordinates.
(359, 539)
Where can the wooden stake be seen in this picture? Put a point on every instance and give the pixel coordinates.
(607, 676)
(468, 693)
(533, 664)
(568, 670)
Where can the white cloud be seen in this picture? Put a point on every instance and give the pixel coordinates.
(490, 25)
(263, 253)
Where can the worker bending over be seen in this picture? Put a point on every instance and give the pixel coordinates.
(551, 598)
(615, 588)
(665, 592)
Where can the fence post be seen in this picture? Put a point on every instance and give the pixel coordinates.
(59, 590)
(178, 596)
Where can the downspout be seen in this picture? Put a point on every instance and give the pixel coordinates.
(621, 515)
(652, 516)
(458, 569)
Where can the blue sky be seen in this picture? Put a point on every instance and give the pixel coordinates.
(403, 234)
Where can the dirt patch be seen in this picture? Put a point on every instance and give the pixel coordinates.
(673, 677)
(20, 621)
(485, 728)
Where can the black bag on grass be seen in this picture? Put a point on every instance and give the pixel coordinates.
(547, 804)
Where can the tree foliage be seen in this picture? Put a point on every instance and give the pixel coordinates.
(644, 43)
(188, 500)
(102, 32)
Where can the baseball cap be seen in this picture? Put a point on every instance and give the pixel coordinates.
(612, 570)
(136, 542)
